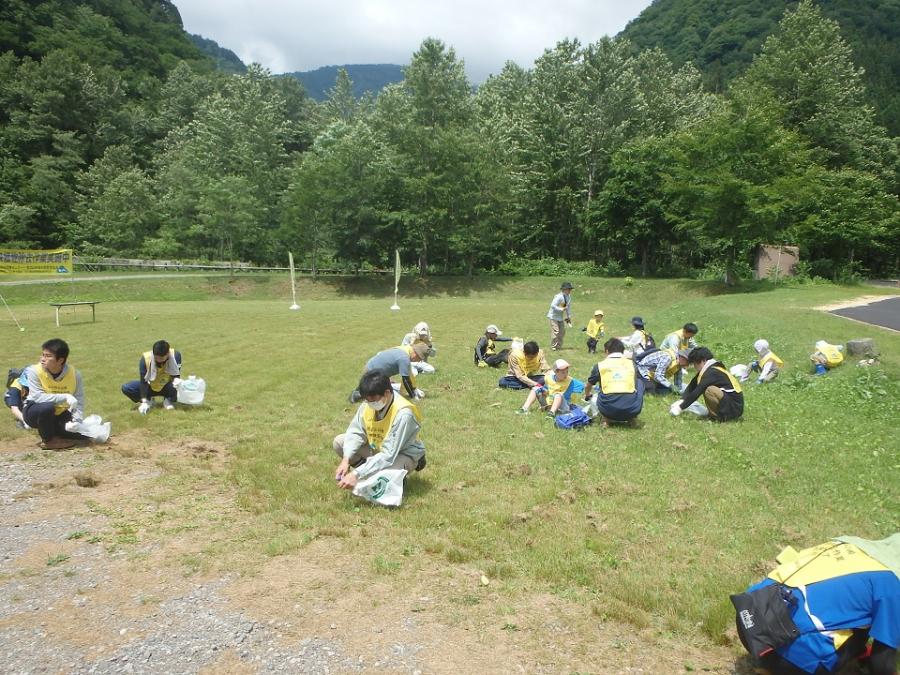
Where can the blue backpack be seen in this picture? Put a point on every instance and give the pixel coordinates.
(576, 418)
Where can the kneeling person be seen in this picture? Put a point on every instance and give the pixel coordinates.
(383, 434)
(160, 373)
(720, 390)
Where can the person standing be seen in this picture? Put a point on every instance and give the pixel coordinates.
(595, 330)
(560, 315)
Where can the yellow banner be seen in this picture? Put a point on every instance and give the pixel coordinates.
(18, 261)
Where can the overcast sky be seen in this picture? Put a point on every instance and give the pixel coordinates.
(291, 35)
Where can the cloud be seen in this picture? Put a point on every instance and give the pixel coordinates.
(289, 35)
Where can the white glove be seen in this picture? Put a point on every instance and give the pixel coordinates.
(71, 401)
(419, 394)
(675, 408)
(176, 382)
(71, 426)
(144, 408)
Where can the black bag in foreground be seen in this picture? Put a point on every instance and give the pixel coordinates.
(764, 620)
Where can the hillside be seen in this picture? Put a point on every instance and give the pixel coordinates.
(721, 37)
(226, 60)
(136, 37)
(366, 77)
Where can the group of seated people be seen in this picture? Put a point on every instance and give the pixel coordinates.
(632, 366)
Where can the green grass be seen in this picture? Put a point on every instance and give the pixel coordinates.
(655, 526)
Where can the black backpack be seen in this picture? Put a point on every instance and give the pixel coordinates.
(13, 375)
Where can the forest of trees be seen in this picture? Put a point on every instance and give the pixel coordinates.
(118, 137)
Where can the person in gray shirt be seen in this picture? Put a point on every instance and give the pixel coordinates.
(560, 315)
(384, 434)
(397, 361)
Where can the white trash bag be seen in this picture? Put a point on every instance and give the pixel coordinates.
(741, 371)
(91, 426)
(384, 487)
(191, 390)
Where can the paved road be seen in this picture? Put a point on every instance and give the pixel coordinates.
(884, 313)
(111, 277)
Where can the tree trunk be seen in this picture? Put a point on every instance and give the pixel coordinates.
(644, 248)
(423, 258)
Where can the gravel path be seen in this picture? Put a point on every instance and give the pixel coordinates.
(116, 629)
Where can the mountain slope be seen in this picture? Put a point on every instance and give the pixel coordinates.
(226, 60)
(721, 36)
(366, 77)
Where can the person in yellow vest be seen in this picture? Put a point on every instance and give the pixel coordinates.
(721, 392)
(487, 352)
(826, 356)
(556, 392)
(661, 370)
(526, 367)
(15, 395)
(384, 434)
(620, 395)
(768, 364)
(823, 607)
(683, 338)
(55, 396)
(595, 330)
(159, 373)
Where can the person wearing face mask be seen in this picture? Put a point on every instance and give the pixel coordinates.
(384, 434)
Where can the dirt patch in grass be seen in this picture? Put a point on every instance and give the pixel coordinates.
(158, 562)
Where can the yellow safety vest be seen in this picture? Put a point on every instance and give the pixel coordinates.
(771, 356)
(530, 364)
(554, 387)
(594, 328)
(683, 342)
(377, 429)
(833, 355)
(65, 385)
(162, 377)
(734, 383)
(491, 348)
(617, 376)
(673, 366)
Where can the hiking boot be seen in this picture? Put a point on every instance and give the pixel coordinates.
(355, 396)
(168, 404)
(421, 464)
(522, 411)
(57, 443)
(551, 415)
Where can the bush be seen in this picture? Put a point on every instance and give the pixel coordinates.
(547, 267)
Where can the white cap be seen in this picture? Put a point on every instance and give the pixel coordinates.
(760, 346)
(560, 364)
(493, 329)
(421, 328)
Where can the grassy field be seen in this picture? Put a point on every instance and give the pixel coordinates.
(654, 526)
